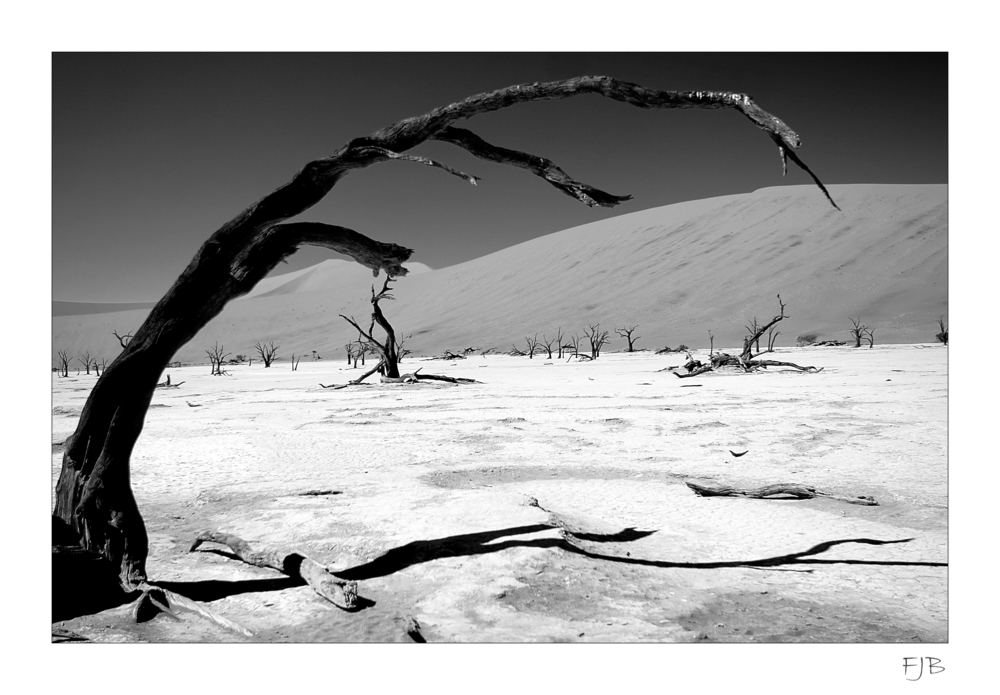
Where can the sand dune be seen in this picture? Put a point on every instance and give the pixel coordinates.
(677, 271)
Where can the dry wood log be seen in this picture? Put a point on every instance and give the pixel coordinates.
(343, 594)
(780, 489)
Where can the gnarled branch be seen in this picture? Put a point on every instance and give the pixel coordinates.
(537, 165)
(343, 594)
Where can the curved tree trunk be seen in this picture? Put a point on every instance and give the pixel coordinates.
(94, 493)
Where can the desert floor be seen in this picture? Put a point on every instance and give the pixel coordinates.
(431, 491)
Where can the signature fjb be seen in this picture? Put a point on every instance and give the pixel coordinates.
(916, 664)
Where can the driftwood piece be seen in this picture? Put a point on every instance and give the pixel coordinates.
(343, 594)
(795, 490)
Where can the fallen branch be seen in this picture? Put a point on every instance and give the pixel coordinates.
(795, 490)
(699, 370)
(773, 363)
(342, 594)
(357, 381)
(414, 377)
(722, 359)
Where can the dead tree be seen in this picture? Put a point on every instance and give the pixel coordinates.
(626, 332)
(752, 329)
(267, 352)
(350, 352)
(711, 343)
(63, 359)
(559, 342)
(85, 361)
(547, 343)
(532, 344)
(870, 334)
(758, 331)
(858, 332)
(746, 361)
(942, 335)
(598, 339)
(772, 335)
(123, 339)
(98, 368)
(295, 362)
(389, 364)
(93, 496)
(402, 352)
(574, 345)
(216, 354)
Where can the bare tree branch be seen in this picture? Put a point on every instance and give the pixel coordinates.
(537, 165)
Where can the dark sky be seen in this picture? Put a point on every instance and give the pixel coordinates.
(153, 152)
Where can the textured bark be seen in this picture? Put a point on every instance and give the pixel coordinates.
(343, 594)
(94, 494)
(778, 490)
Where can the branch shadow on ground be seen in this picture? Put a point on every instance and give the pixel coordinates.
(214, 589)
(471, 544)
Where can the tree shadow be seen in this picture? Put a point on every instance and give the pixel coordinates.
(214, 589)
(84, 583)
(471, 544)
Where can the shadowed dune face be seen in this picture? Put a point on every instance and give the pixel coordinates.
(676, 271)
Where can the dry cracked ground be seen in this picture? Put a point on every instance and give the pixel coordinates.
(546, 503)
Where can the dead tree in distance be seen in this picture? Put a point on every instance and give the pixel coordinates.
(532, 344)
(350, 352)
(123, 339)
(64, 359)
(85, 361)
(747, 360)
(559, 342)
(387, 350)
(598, 339)
(216, 354)
(758, 331)
(711, 343)
(546, 343)
(402, 352)
(574, 345)
(267, 352)
(752, 328)
(93, 495)
(626, 333)
(942, 335)
(858, 331)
